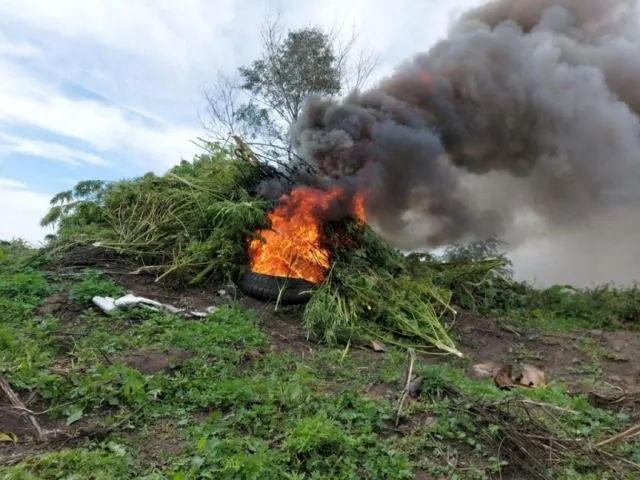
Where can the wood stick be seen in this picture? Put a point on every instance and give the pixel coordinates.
(630, 433)
(407, 383)
(41, 434)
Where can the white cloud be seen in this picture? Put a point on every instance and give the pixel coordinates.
(17, 50)
(27, 102)
(172, 32)
(54, 151)
(22, 210)
(8, 183)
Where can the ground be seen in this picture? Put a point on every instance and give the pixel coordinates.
(244, 394)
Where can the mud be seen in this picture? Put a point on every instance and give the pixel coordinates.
(152, 362)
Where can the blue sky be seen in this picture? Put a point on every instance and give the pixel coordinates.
(107, 89)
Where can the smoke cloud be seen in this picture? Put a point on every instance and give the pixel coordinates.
(525, 117)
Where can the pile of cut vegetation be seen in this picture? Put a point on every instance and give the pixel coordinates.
(193, 224)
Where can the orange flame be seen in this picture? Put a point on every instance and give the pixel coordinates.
(293, 246)
(358, 208)
(425, 77)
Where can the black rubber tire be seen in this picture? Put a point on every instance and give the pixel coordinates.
(292, 291)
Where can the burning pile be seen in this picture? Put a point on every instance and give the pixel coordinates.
(295, 246)
(361, 286)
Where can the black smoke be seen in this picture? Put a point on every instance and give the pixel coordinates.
(527, 107)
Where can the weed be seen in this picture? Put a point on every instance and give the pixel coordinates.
(194, 221)
(94, 284)
(233, 409)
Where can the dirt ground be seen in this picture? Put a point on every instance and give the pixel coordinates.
(570, 357)
(605, 365)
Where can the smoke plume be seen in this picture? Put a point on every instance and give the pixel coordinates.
(526, 114)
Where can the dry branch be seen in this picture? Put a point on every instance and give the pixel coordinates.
(407, 382)
(41, 434)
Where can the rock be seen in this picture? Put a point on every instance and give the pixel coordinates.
(484, 370)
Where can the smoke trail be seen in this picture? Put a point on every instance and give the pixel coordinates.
(528, 107)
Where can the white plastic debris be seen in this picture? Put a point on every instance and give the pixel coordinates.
(109, 305)
(106, 304)
(132, 301)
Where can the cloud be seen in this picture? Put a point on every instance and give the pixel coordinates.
(8, 183)
(176, 33)
(22, 210)
(54, 151)
(110, 130)
(18, 50)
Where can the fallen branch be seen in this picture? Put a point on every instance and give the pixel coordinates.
(532, 403)
(407, 383)
(628, 434)
(41, 434)
(531, 435)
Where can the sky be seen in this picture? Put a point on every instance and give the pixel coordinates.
(109, 89)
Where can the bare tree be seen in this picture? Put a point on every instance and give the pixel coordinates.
(263, 100)
(224, 98)
(355, 64)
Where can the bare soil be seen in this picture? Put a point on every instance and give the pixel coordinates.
(151, 362)
(604, 365)
(586, 360)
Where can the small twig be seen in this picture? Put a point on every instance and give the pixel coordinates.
(617, 458)
(407, 383)
(510, 329)
(14, 458)
(41, 434)
(525, 401)
(548, 405)
(149, 268)
(105, 356)
(37, 414)
(97, 433)
(626, 435)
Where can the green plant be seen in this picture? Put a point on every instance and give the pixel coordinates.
(94, 284)
(193, 221)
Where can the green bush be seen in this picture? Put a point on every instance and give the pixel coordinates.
(193, 221)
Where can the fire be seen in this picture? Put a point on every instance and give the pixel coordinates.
(358, 208)
(425, 77)
(293, 246)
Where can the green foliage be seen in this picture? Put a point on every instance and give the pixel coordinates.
(303, 62)
(605, 307)
(79, 208)
(234, 409)
(479, 250)
(269, 420)
(94, 284)
(104, 464)
(194, 220)
(22, 284)
(374, 289)
(481, 420)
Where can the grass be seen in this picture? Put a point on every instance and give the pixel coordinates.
(234, 408)
(224, 404)
(193, 224)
